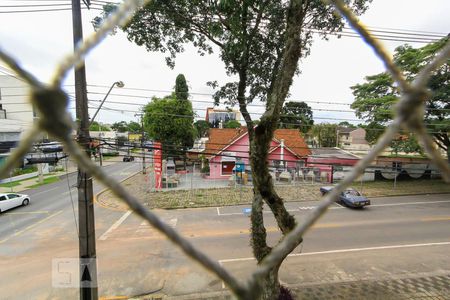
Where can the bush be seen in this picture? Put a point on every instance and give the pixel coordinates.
(26, 170)
(111, 154)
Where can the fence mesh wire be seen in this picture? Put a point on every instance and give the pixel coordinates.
(51, 102)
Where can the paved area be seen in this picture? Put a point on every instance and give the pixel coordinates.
(26, 184)
(417, 288)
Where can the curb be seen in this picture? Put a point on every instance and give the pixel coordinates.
(99, 203)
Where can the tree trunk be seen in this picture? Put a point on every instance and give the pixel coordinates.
(271, 284)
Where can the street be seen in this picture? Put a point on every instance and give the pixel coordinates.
(394, 237)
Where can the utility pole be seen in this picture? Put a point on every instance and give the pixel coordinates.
(87, 252)
(144, 170)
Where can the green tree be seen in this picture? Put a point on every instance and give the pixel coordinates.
(346, 124)
(296, 115)
(201, 127)
(260, 43)
(170, 121)
(376, 97)
(232, 124)
(121, 126)
(134, 127)
(325, 134)
(406, 144)
(95, 126)
(181, 88)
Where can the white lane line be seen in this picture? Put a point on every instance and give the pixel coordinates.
(115, 225)
(46, 191)
(27, 212)
(340, 206)
(242, 214)
(173, 222)
(31, 226)
(410, 203)
(345, 251)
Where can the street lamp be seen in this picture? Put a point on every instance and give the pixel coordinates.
(119, 84)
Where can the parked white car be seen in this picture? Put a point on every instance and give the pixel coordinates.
(11, 200)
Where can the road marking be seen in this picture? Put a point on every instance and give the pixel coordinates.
(173, 222)
(410, 203)
(115, 225)
(344, 251)
(431, 219)
(31, 226)
(218, 211)
(26, 212)
(340, 206)
(306, 207)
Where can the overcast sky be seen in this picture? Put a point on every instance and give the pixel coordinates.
(39, 40)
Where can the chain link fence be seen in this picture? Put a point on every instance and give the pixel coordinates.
(51, 102)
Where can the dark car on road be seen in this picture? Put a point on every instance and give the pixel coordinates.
(349, 197)
(128, 158)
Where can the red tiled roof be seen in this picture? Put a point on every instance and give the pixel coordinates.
(221, 138)
(293, 140)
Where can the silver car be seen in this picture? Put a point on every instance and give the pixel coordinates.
(11, 200)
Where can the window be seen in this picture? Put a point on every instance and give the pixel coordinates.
(396, 166)
(2, 198)
(12, 196)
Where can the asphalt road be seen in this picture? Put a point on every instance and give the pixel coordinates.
(395, 237)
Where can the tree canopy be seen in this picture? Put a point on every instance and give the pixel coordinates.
(169, 121)
(376, 97)
(181, 88)
(325, 134)
(260, 43)
(123, 126)
(201, 127)
(232, 124)
(296, 115)
(95, 126)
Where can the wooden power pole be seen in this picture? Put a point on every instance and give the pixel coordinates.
(87, 252)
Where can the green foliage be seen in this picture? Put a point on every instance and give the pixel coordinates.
(26, 170)
(170, 121)
(232, 124)
(134, 127)
(375, 99)
(406, 144)
(181, 88)
(95, 126)
(201, 128)
(325, 134)
(245, 33)
(296, 115)
(346, 124)
(373, 131)
(122, 126)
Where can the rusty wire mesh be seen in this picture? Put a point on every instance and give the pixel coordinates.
(51, 102)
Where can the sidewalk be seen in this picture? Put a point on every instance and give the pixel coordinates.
(28, 183)
(414, 288)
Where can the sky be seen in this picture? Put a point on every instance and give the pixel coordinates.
(39, 40)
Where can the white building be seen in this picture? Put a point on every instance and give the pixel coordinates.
(16, 113)
(14, 104)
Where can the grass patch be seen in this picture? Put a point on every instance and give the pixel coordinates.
(45, 181)
(403, 187)
(9, 184)
(226, 196)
